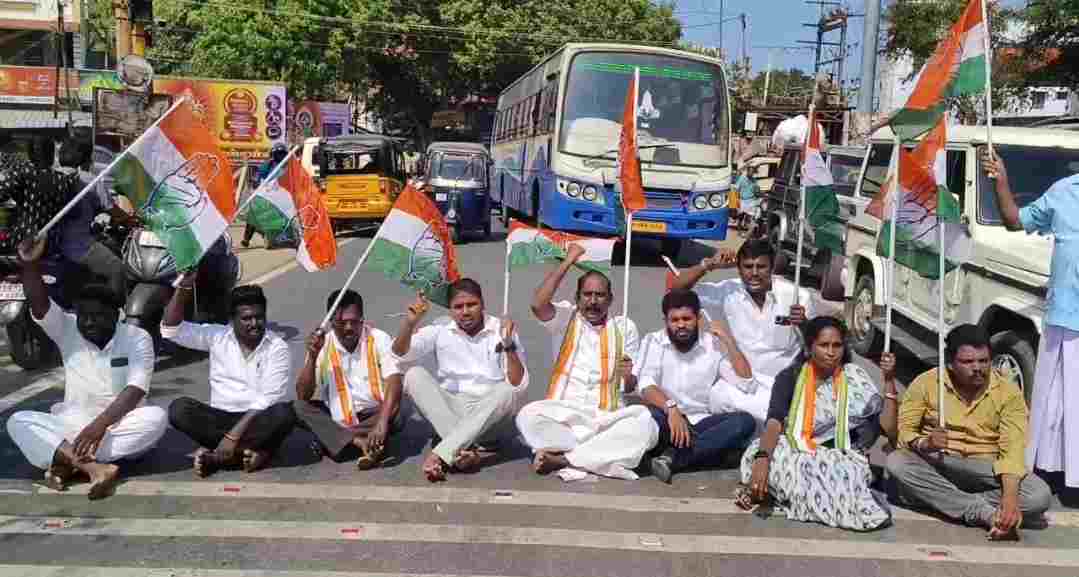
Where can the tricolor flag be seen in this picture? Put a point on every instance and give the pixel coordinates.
(923, 197)
(629, 166)
(288, 208)
(956, 68)
(181, 185)
(413, 246)
(528, 246)
(822, 207)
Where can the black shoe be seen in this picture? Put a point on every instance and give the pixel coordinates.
(661, 468)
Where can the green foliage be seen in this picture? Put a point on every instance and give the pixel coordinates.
(1053, 38)
(404, 58)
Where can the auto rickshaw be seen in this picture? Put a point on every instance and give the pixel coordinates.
(455, 175)
(361, 176)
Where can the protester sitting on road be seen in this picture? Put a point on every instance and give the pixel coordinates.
(1054, 436)
(582, 425)
(248, 416)
(680, 366)
(107, 370)
(972, 470)
(822, 418)
(481, 377)
(358, 381)
(763, 312)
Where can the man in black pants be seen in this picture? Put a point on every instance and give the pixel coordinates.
(249, 415)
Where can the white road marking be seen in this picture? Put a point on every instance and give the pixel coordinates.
(538, 537)
(52, 379)
(287, 267)
(464, 496)
(84, 571)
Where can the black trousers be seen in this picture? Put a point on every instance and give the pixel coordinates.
(315, 416)
(207, 425)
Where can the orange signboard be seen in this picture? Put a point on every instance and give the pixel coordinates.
(32, 84)
(246, 118)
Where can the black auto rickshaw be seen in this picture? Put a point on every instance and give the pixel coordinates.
(455, 175)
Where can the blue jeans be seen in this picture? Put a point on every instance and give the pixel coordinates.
(712, 436)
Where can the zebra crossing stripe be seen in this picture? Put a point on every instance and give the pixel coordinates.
(466, 496)
(539, 537)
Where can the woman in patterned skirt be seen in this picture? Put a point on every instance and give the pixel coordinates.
(823, 416)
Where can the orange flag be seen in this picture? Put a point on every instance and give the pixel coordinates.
(629, 166)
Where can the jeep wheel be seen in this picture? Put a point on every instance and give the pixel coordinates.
(865, 338)
(1014, 356)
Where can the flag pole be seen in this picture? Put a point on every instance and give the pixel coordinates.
(940, 323)
(629, 213)
(97, 178)
(506, 285)
(802, 193)
(274, 174)
(988, 79)
(348, 283)
(889, 281)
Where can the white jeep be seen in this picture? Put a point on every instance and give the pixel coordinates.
(1002, 288)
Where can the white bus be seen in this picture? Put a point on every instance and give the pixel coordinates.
(556, 134)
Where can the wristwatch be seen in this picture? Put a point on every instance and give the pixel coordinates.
(671, 404)
(762, 454)
(503, 348)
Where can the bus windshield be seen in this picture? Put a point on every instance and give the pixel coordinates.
(681, 112)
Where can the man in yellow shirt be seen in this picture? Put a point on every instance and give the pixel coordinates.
(971, 470)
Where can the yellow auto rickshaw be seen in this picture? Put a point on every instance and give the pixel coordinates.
(360, 175)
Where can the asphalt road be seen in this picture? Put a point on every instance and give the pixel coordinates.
(307, 517)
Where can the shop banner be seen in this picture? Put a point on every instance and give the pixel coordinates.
(32, 84)
(246, 118)
(310, 118)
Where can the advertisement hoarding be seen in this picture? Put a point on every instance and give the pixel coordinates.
(310, 118)
(32, 84)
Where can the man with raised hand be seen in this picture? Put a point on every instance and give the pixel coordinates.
(480, 380)
(582, 424)
(248, 416)
(764, 313)
(358, 381)
(107, 369)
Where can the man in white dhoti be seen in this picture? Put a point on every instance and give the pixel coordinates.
(763, 313)
(481, 377)
(1054, 438)
(107, 370)
(582, 424)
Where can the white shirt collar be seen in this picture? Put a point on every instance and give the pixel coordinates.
(489, 323)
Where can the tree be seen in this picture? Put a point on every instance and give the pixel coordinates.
(1052, 38)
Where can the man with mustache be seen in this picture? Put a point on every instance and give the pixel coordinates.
(481, 377)
(249, 415)
(681, 365)
(582, 424)
(973, 469)
(763, 312)
(358, 381)
(107, 370)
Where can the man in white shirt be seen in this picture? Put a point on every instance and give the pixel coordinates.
(249, 415)
(582, 425)
(358, 383)
(763, 312)
(481, 377)
(681, 366)
(107, 370)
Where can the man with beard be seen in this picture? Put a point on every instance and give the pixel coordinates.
(358, 382)
(107, 370)
(679, 370)
(481, 377)
(764, 313)
(973, 469)
(248, 416)
(582, 424)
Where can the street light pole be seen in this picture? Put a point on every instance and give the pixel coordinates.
(721, 30)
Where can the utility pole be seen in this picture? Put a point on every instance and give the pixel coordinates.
(721, 30)
(870, 35)
(123, 28)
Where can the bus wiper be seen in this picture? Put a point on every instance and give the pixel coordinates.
(647, 146)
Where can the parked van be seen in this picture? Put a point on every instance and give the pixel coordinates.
(1002, 288)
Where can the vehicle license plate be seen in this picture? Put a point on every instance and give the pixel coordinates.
(11, 292)
(441, 197)
(649, 226)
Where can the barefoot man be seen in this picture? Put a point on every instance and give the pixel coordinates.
(481, 377)
(107, 370)
(582, 424)
(249, 415)
(358, 382)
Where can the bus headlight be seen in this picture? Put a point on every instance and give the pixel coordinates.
(573, 190)
(716, 199)
(589, 193)
(700, 202)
